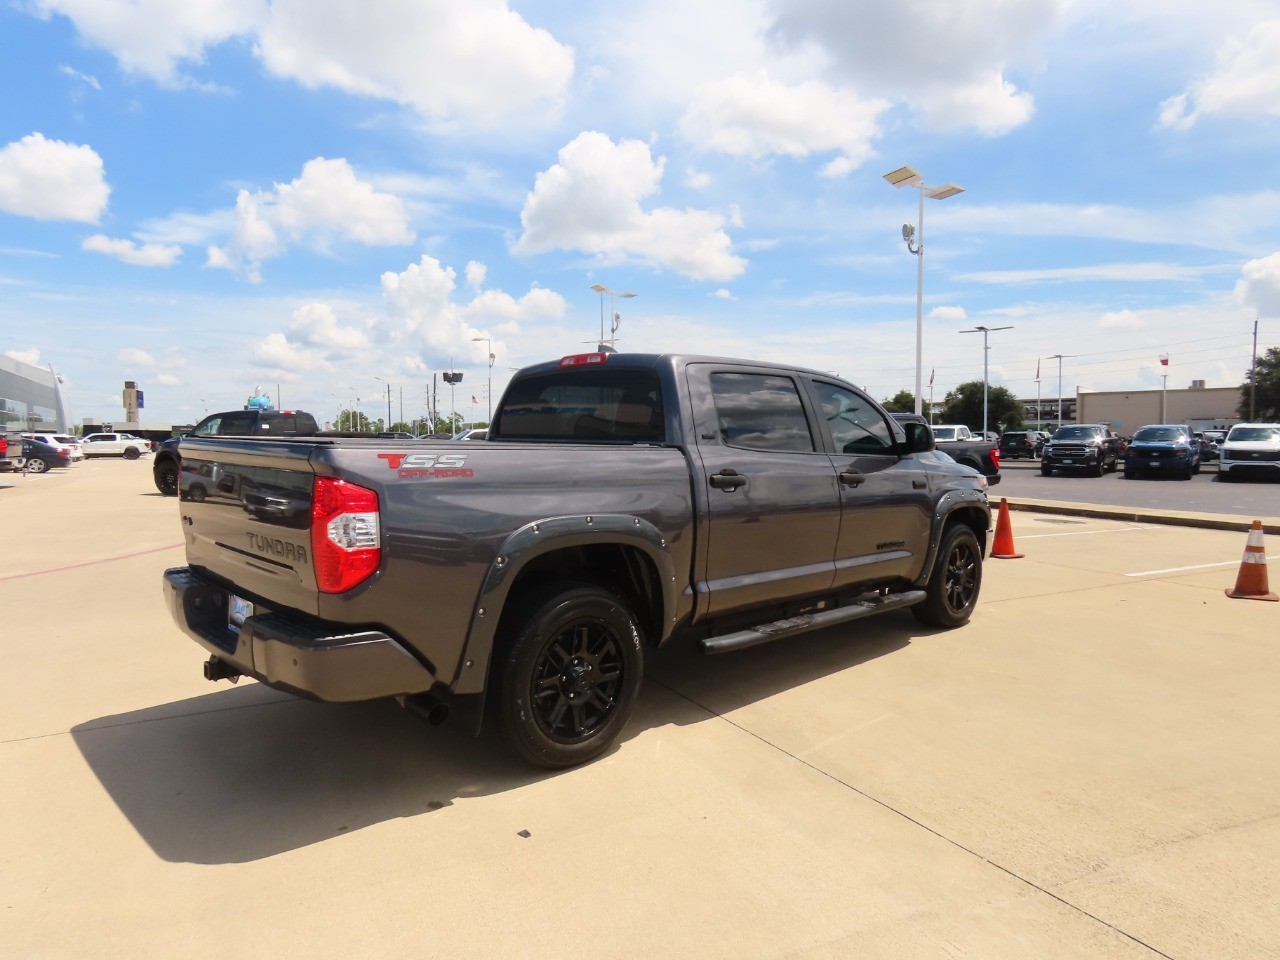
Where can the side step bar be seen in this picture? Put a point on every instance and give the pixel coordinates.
(765, 632)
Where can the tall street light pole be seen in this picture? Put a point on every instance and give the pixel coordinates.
(388, 426)
(601, 289)
(914, 237)
(985, 350)
(1060, 357)
(488, 346)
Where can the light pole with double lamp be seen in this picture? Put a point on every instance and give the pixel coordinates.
(914, 237)
(601, 289)
(985, 350)
(1060, 357)
(488, 348)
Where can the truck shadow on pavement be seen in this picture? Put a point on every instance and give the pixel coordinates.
(246, 772)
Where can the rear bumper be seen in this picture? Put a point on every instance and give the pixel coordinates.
(321, 661)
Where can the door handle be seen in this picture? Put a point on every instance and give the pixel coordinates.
(727, 479)
(851, 477)
(919, 484)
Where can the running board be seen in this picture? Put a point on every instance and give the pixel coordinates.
(765, 632)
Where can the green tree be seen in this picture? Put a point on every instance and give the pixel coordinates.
(904, 401)
(353, 420)
(1266, 400)
(964, 405)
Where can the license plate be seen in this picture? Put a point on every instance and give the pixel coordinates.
(1068, 461)
(1155, 463)
(237, 610)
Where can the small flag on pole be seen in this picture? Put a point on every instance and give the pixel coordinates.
(1164, 359)
(1037, 369)
(931, 373)
(473, 399)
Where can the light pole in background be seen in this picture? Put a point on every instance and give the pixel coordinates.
(488, 348)
(601, 289)
(355, 425)
(914, 237)
(388, 426)
(985, 350)
(1059, 357)
(1164, 388)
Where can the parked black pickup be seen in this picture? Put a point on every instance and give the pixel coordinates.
(622, 502)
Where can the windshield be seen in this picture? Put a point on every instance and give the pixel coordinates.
(1159, 435)
(1254, 433)
(1077, 433)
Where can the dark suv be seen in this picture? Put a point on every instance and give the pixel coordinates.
(1163, 448)
(1019, 443)
(1091, 447)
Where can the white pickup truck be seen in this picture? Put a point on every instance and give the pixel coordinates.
(114, 445)
(951, 432)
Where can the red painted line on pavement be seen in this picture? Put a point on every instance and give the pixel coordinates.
(89, 563)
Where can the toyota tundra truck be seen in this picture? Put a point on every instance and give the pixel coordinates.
(622, 502)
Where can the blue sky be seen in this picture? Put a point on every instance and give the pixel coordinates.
(304, 195)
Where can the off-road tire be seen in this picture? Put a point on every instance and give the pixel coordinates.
(954, 585)
(165, 474)
(569, 674)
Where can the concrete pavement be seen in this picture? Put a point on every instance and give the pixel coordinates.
(1089, 769)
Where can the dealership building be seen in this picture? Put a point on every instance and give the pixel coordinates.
(31, 398)
(1198, 406)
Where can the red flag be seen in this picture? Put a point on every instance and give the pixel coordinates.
(1164, 360)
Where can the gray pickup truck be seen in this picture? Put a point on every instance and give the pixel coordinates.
(622, 502)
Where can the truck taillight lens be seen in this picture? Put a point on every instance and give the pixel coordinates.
(346, 541)
(995, 459)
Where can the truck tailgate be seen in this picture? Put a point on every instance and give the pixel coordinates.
(246, 516)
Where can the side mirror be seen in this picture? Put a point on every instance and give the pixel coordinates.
(919, 437)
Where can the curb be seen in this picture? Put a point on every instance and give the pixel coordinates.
(1206, 521)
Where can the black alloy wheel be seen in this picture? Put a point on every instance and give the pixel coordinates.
(952, 592)
(571, 676)
(166, 478)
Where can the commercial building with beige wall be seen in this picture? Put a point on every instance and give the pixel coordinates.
(1201, 407)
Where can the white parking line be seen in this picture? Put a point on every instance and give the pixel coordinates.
(1198, 566)
(1081, 533)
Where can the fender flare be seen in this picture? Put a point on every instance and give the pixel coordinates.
(536, 539)
(948, 505)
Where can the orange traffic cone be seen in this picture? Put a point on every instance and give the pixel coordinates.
(1251, 583)
(1002, 548)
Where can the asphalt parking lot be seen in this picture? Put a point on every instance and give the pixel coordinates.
(1090, 768)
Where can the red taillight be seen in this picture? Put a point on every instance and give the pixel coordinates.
(583, 359)
(345, 539)
(995, 458)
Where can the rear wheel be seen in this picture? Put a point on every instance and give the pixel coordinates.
(953, 587)
(132, 453)
(37, 465)
(571, 675)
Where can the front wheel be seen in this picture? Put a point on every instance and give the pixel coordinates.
(571, 675)
(165, 475)
(132, 453)
(1045, 469)
(953, 587)
(37, 465)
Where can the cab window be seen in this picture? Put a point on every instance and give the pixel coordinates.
(855, 425)
(760, 412)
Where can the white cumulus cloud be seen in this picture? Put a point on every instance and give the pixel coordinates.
(52, 180)
(152, 36)
(133, 357)
(325, 203)
(1259, 287)
(316, 325)
(475, 64)
(139, 255)
(591, 201)
(969, 46)
(756, 115)
(420, 303)
(1246, 82)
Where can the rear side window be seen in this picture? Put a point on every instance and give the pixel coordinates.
(619, 405)
(760, 412)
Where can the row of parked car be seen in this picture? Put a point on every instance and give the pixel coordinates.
(1248, 448)
(41, 452)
